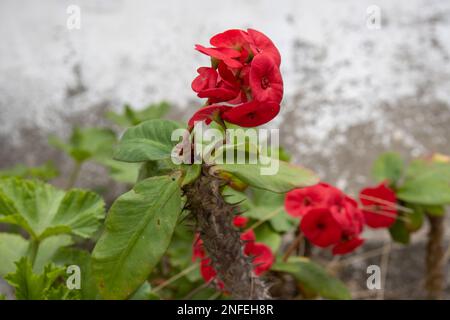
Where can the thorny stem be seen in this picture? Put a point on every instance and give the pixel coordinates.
(434, 282)
(221, 239)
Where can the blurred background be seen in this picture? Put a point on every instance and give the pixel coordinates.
(354, 86)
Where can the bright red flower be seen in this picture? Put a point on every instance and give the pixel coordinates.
(260, 43)
(248, 237)
(347, 246)
(206, 79)
(218, 94)
(233, 38)
(263, 257)
(224, 54)
(244, 74)
(265, 79)
(348, 215)
(299, 201)
(379, 206)
(321, 228)
(252, 114)
(240, 221)
(207, 114)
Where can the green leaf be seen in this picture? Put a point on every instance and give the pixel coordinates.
(144, 293)
(314, 278)
(138, 231)
(48, 248)
(120, 171)
(43, 211)
(399, 232)
(131, 117)
(426, 183)
(12, 248)
(192, 172)
(72, 256)
(156, 168)
(287, 178)
(87, 143)
(150, 140)
(263, 205)
(44, 172)
(268, 236)
(31, 286)
(437, 211)
(415, 218)
(388, 166)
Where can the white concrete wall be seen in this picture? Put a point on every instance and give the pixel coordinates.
(338, 73)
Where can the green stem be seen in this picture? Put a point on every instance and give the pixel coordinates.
(74, 175)
(33, 250)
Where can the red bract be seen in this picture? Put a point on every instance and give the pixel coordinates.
(320, 227)
(265, 79)
(379, 206)
(252, 114)
(349, 216)
(347, 246)
(260, 43)
(244, 74)
(206, 79)
(299, 201)
(207, 114)
(234, 38)
(329, 217)
(263, 257)
(240, 221)
(224, 54)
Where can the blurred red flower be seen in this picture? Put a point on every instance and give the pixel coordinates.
(379, 205)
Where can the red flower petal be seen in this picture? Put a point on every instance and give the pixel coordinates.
(207, 78)
(347, 246)
(227, 76)
(263, 257)
(348, 216)
(206, 270)
(207, 114)
(240, 221)
(298, 202)
(379, 203)
(218, 94)
(233, 38)
(252, 114)
(265, 79)
(224, 54)
(321, 228)
(260, 43)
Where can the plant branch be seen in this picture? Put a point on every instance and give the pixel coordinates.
(434, 282)
(221, 239)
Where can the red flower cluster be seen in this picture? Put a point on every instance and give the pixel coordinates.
(329, 217)
(379, 205)
(244, 84)
(263, 257)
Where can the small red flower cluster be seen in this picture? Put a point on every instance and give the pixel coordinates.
(244, 85)
(379, 205)
(332, 218)
(263, 257)
(329, 217)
